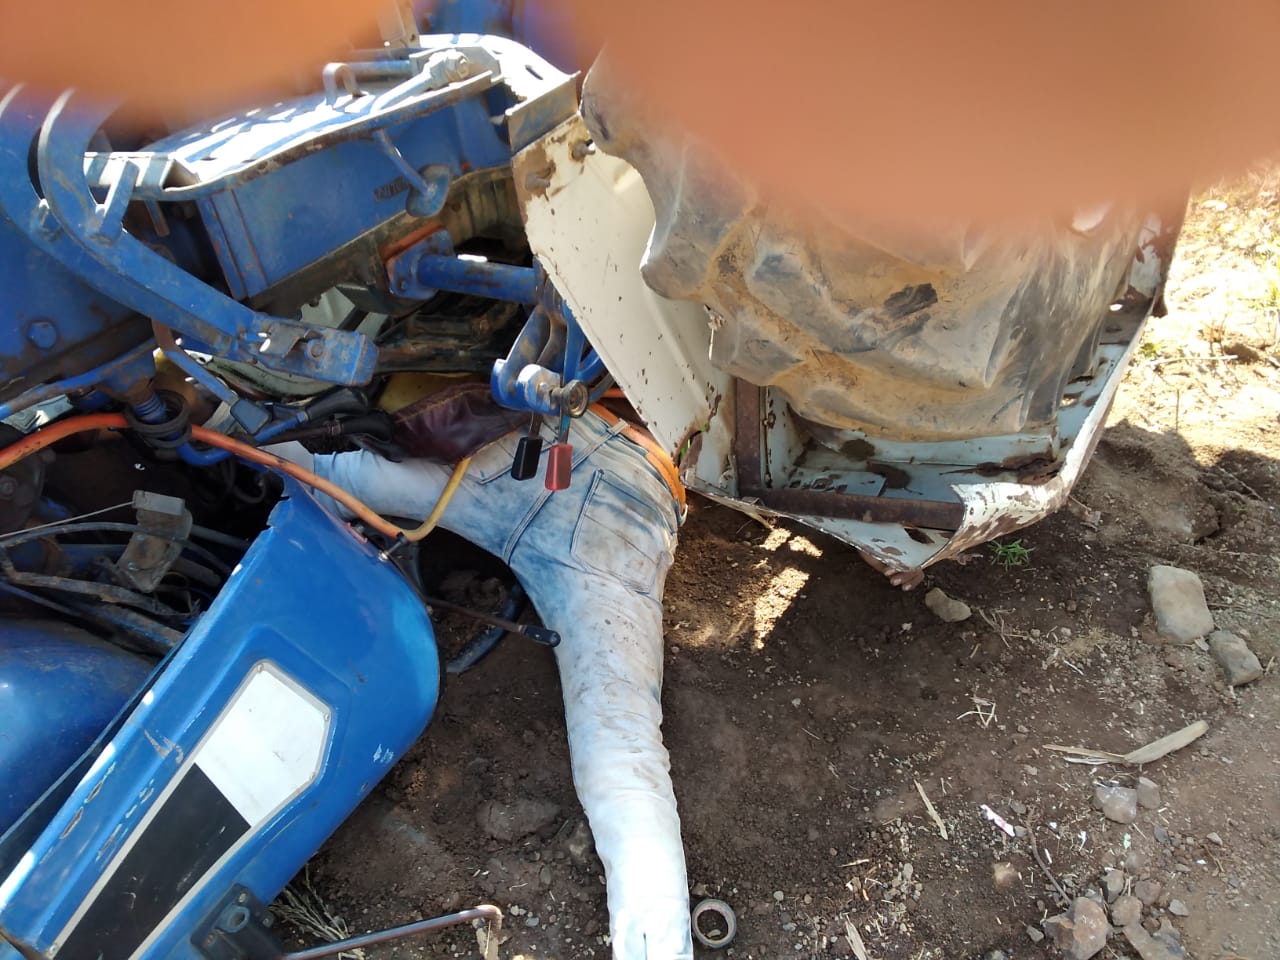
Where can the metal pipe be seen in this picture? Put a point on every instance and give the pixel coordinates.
(543, 635)
(484, 644)
(481, 278)
(486, 911)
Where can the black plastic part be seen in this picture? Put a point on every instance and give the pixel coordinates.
(342, 400)
(241, 929)
(528, 453)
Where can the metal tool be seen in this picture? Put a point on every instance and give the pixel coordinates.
(543, 635)
(486, 911)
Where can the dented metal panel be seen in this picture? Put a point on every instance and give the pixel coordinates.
(589, 218)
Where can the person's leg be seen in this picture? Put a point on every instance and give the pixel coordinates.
(593, 559)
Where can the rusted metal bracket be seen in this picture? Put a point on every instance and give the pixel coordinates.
(748, 428)
(165, 523)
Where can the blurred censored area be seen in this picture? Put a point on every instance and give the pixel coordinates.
(916, 111)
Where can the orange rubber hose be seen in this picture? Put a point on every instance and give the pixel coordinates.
(51, 434)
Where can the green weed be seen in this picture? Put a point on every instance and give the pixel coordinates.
(1011, 554)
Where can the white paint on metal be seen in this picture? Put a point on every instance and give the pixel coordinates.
(267, 745)
(590, 227)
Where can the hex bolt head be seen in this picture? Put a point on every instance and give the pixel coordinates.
(315, 349)
(8, 487)
(42, 333)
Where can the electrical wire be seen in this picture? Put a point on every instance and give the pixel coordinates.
(66, 520)
(36, 533)
(62, 429)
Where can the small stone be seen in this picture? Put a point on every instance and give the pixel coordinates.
(1126, 910)
(1113, 884)
(580, 844)
(1161, 835)
(1148, 794)
(1081, 932)
(1148, 891)
(1178, 908)
(1238, 662)
(1004, 876)
(511, 821)
(995, 955)
(1148, 948)
(1177, 600)
(908, 871)
(531, 921)
(1134, 862)
(945, 608)
(1214, 839)
(1116, 803)
(1035, 935)
(778, 895)
(1017, 807)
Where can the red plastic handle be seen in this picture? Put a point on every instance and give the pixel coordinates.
(559, 466)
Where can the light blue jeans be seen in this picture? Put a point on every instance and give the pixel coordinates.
(593, 559)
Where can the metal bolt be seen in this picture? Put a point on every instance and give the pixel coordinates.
(315, 349)
(42, 333)
(583, 149)
(8, 487)
(131, 566)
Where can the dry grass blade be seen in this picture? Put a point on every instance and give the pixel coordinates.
(1167, 744)
(928, 805)
(1147, 754)
(855, 940)
(302, 907)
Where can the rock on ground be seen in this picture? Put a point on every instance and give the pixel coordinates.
(1126, 910)
(1238, 662)
(580, 844)
(1117, 803)
(1081, 932)
(1148, 891)
(946, 608)
(511, 821)
(1147, 946)
(1177, 599)
(1113, 884)
(1148, 794)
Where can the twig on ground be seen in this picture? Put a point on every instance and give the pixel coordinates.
(300, 905)
(1035, 852)
(855, 940)
(1146, 754)
(1223, 358)
(928, 805)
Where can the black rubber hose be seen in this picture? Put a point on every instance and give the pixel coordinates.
(89, 526)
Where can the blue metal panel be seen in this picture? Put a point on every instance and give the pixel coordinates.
(59, 687)
(544, 26)
(273, 226)
(316, 604)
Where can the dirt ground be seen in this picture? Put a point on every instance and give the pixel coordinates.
(805, 699)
